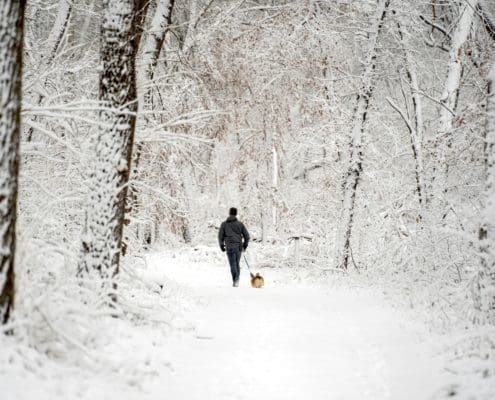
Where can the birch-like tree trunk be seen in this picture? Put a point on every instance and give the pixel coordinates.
(448, 101)
(452, 83)
(415, 127)
(151, 49)
(108, 181)
(486, 301)
(11, 40)
(58, 31)
(153, 43)
(353, 174)
(52, 47)
(417, 134)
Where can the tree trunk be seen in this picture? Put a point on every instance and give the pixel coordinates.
(51, 48)
(108, 181)
(453, 79)
(351, 179)
(150, 50)
(274, 186)
(153, 44)
(487, 20)
(58, 31)
(416, 128)
(486, 301)
(452, 84)
(11, 40)
(439, 185)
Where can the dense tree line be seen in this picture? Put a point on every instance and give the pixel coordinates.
(360, 125)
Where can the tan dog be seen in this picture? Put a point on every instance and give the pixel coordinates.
(257, 281)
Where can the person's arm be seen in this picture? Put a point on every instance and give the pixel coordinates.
(245, 234)
(221, 236)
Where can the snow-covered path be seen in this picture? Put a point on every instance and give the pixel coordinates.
(285, 341)
(290, 342)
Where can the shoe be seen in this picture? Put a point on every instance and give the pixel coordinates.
(236, 284)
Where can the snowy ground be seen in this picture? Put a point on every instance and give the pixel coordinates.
(285, 341)
(293, 342)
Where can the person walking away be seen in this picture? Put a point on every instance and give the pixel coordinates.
(233, 237)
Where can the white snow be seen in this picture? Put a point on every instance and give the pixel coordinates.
(292, 342)
(285, 341)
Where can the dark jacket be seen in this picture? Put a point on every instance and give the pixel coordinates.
(231, 234)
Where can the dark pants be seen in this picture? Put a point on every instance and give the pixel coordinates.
(234, 256)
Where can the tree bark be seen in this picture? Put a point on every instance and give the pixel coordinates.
(486, 281)
(108, 181)
(351, 180)
(11, 42)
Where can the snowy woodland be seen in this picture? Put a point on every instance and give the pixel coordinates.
(355, 137)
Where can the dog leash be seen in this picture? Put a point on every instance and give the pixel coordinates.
(245, 260)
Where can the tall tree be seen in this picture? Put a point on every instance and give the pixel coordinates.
(454, 68)
(153, 43)
(52, 47)
(450, 94)
(414, 125)
(11, 40)
(150, 49)
(355, 156)
(486, 300)
(108, 181)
